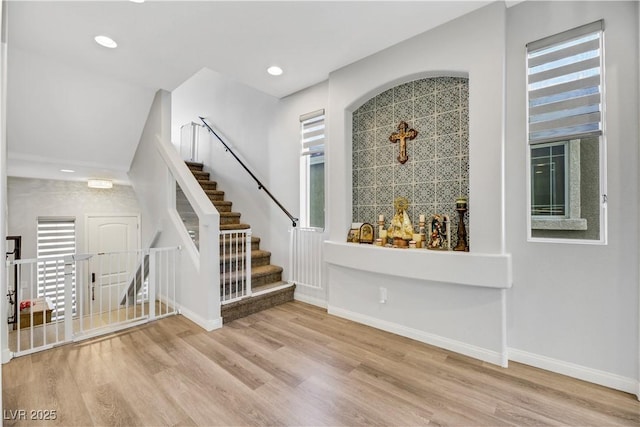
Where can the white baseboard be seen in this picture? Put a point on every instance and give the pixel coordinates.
(310, 300)
(470, 350)
(7, 355)
(206, 324)
(580, 372)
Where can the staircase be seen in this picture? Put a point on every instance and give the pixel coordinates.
(268, 288)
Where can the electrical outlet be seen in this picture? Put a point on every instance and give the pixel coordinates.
(383, 295)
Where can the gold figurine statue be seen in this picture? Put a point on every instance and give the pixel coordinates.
(401, 229)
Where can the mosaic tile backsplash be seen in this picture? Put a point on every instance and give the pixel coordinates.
(437, 172)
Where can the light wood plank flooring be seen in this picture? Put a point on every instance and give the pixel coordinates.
(292, 365)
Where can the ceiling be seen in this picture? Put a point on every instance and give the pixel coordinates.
(60, 75)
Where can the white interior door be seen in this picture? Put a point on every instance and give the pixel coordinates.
(115, 240)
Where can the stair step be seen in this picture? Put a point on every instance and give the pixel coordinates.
(267, 297)
(232, 242)
(208, 185)
(201, 175)
(258, 258)
(238, 226)
(194, 166)
(260, 276)
(222, 205)
(215, 195)
(229, 218)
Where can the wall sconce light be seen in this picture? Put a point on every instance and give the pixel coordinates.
(100, 183)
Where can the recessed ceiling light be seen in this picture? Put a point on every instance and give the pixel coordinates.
(106, 42)
(67, 170)
(274, 70)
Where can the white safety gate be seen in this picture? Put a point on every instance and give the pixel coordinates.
(108, 292)
(305, 257)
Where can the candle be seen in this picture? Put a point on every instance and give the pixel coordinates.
(381, 218)
(421, 217)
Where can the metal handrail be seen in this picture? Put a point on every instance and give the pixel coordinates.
(293, 219)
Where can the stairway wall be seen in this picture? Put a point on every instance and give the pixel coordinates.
(285, 150)
(245, 116)
(197, 293)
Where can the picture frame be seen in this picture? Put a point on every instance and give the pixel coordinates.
(353, 236)
(366, 233)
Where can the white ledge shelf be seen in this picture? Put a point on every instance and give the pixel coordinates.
(462, 268)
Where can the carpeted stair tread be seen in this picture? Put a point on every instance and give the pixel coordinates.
(230, 259)
(239, 226)
(201, 175)
(214, 195)
(232, 242)
(256, 303)
(269, 286)
(208, 185)
(229, 218)
(268, 289)
(255, 254)
(222, 205)
(260, 275)
(194, 166)
(262, 271)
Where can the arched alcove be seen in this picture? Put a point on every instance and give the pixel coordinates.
(437, 170)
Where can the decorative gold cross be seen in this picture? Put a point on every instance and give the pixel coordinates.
(402, 136)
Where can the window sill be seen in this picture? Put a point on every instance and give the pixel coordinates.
(463, 268)
(559, 224)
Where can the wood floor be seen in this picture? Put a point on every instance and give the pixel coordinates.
(291, 365)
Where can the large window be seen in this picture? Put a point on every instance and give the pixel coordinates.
(312, 169)
(565, 78)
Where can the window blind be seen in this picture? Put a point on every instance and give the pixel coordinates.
(56, 239)
(312, 129)
(564, 74)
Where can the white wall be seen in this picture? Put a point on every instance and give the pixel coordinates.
(30, 198)
(197, 295)
(242, 116)
(468, 319)
(284, 151)
(574, 308)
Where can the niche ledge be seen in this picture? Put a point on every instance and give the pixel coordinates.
(462, 268)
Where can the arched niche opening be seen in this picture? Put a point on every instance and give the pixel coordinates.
(436, 172)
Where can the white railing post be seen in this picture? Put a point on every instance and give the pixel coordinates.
(152, 282)
(68, 298)
(248, 263)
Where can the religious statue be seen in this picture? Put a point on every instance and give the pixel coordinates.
(439, 237)
(402, 135)
(401, 229)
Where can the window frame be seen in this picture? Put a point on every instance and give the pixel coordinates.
(307, 147)
(535, 222)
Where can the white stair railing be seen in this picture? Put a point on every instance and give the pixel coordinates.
(94, 284)
(235, 265)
